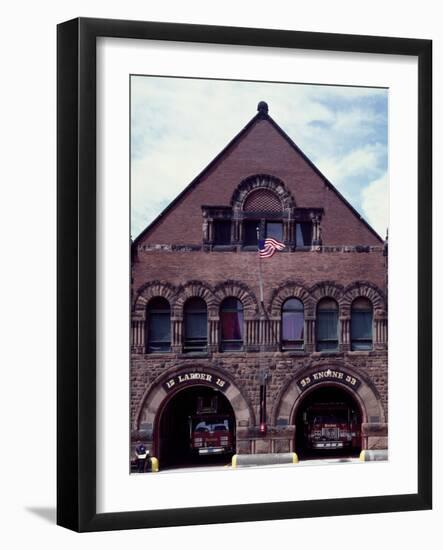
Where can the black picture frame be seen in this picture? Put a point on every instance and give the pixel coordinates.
(77, 249)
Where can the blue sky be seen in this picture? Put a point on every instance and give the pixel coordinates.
(179, 125)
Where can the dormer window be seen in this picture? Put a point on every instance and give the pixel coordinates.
(250, 232)
(222, 232)
(261, 207)
(263, 215)
(274, 230)
(303, 234)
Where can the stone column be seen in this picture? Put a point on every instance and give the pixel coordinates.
(211, 230)
(177, 334)
(345, 334)
(138, 336)
(275, 332)
(268, 333)
(213, 334)
(288, 232)
(237, 229)
(380, 336)
(316, 230)
(252, 332)
(205, 228)
(309, 334)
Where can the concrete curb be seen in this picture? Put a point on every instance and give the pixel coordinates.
(266, 459)
(374, 455)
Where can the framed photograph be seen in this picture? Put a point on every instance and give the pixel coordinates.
(244, 274)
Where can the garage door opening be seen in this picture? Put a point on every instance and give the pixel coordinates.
(196, 428)
(328, 424)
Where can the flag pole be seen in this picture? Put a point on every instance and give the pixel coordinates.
(262, 362)
(260, 274)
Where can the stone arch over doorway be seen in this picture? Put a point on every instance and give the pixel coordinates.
(364, 392)
(168, 385)
(374, 427)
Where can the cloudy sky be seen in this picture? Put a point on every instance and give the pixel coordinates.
(179, 125)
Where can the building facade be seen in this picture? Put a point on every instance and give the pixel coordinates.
(273, 338)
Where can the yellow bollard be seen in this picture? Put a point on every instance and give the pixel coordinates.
(154, 464)
(362, 456)
(294, 458)
(234, 461)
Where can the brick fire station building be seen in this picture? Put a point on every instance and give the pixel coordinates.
(273, 338)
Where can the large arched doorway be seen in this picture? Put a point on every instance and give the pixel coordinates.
(195, 427)
(328, 424)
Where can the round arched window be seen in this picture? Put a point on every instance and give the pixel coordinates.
(292, 324)
(327, 325)
(158, 326)
(231, 324)
(196, 325)
(361, 324)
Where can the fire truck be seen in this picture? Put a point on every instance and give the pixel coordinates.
(210, 432)
(331, 426)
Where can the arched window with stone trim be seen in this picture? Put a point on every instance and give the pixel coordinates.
(263, 215)
(292, 325)
(231, 325)
(361, 324)
(195, 315)
(327, 325)
(158, 333)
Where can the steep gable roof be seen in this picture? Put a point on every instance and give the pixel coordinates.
(262, 114)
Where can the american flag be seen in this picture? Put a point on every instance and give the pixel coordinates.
(268, 247)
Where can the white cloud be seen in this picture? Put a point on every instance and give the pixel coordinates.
(376, 204)
(357, 162)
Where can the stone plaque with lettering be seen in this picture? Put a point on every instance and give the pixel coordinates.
(194, 378)
(328, 375)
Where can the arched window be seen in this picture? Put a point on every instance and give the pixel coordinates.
(231, 323)
(196, 325)
(158, 326)
(361, 324)
(292, 324)
(262, 208)
(327, 325)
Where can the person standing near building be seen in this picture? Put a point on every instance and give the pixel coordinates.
(142, 455)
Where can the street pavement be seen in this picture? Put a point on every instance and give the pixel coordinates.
(308, 462)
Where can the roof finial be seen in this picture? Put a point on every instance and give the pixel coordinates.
(262, 108)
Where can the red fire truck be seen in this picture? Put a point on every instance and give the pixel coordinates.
(331, 426)
(210, 432)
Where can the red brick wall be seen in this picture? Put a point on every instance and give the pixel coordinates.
(308, 268)
(261, 150)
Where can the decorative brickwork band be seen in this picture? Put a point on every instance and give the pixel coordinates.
(291, 289)
(195, 289)
(150, 290)
(363, 289)
(326, 289)
(236, 289)
(259, 330)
